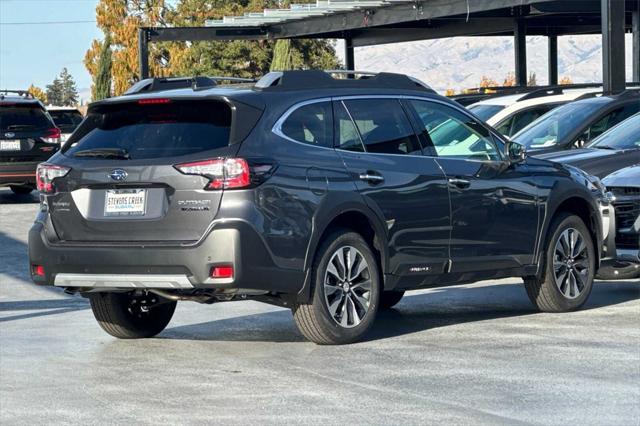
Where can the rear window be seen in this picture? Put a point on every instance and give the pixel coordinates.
(66, 118)
(485, 111)
(23, 118)
(153, 130)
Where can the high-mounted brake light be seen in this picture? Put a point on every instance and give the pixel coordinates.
(46, 173)
(223, 173)
(154, 101)
(52, 135)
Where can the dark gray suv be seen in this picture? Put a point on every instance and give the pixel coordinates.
(330, 196)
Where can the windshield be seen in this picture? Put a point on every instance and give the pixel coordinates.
(625, 135)
(484, 111)
(142, 131)
(23, 118)
(555, 125)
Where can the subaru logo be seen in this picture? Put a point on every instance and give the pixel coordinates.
(9, 135)
(118, 174)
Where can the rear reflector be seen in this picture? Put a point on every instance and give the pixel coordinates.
(46, 173)
(38, 270)
(225, 271)
(223, 173)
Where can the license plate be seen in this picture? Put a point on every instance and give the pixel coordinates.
(9, 145)
(125, 202)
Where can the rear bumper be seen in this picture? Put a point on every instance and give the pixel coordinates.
(18, 173)
(89, 267)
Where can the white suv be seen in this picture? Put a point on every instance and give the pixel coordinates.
(510, 113)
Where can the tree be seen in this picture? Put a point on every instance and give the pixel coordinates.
(38, 93)
(509, 80)
(54, 92)
(450, 92)
(69, 92)
(102, 82)
(566, 80)
(282, 59)
(532, 81)
(487, 82)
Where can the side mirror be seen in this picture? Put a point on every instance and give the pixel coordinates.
(516, 153)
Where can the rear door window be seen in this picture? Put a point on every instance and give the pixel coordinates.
(144, 131)
(383, 126)
(23, 118)
(311, 124)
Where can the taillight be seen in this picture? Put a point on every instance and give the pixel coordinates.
(223, 173)
(46, 173)
(52, 135)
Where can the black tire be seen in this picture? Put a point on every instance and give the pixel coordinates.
(21, 190)
(314, 320)
(389, 299)
(543, 291)
(119, 314)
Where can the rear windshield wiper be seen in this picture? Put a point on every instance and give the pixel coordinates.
(118, 153)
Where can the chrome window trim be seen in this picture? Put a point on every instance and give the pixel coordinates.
(277, 127)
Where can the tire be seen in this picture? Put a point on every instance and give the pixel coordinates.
(389, 299)
(21, 190)
(575, 277)
(119, 314)
(354, 304)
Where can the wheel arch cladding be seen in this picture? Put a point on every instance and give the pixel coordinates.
(356, 220)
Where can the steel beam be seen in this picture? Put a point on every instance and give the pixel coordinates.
(143, 53)
(520, 50)
(613, 22)
(206, 33)
(349, 58)
(635, 31)
(553, 60)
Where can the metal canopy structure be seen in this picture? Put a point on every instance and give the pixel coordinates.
(371, 22)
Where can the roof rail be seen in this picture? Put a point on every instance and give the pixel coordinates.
(23, 93)
(318, 79)
(171, 83)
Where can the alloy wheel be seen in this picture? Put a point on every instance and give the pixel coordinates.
(347, 286)
(571, 263)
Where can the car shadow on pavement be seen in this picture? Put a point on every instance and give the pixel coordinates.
(42, 307)
(8, 197)
(439, 308)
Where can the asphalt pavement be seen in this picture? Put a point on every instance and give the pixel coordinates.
(471, 354)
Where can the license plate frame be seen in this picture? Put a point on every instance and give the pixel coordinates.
(129, 206)
(10, 145)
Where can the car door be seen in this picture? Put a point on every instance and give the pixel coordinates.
(383, 155)
(494, 208)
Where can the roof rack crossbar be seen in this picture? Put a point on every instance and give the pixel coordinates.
(169, 83)
(24, 93)
(300, 80)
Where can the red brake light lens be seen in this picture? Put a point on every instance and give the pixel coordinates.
(154, 101)
(46, 173)
(38, 270)
(52, 135)
(223, 173)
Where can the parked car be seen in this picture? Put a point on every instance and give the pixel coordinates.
(28, 136)
(574, 125)
(614, 157)
(329, 196)
(510, 114)
(66, 118)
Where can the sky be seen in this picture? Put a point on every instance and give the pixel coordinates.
(34, 52)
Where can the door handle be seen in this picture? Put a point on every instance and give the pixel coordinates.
(371, 177)
(459, 183)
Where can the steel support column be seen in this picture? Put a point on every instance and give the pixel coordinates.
(349, 59)
(635, 26)
(143, 53)
(520, 47)
(613, 22)
(553, 60)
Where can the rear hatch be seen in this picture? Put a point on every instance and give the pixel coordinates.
(124, 185)
(27, 133)
(66, 120)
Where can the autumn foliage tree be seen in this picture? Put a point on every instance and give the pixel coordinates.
(38, 93)
(566, 80)
(241, 58)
